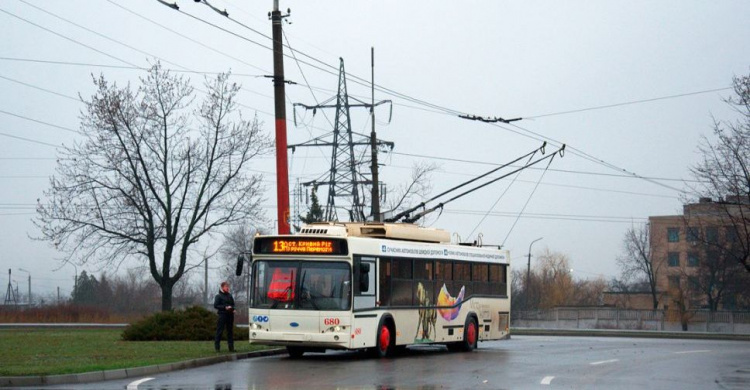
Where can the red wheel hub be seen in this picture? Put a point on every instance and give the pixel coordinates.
(471, 333)
(385, 338)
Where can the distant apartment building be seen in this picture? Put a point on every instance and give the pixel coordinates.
(689, 252)
(689, 255)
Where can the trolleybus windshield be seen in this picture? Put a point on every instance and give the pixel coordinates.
(301, 285)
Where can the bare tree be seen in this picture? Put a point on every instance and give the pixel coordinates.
(724, 171)
(413, 191)
(716, 277)
(638, 261)
(153, 175)
(238, 241)
(552, 282)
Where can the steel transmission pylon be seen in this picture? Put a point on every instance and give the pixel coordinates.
(345, 181)
(10, 294)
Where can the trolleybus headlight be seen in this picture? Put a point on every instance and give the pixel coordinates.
(337, 328)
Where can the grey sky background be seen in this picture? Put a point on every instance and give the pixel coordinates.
(492, 58)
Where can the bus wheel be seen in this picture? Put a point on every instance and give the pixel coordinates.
(471, 335)
(384, 342)
(295, 352)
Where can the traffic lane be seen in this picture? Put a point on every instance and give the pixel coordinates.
(628, 363)
(522, 362)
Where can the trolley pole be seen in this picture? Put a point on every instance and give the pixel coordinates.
(282, 169)
(373, 147)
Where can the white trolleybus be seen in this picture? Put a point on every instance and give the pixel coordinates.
(375, 286)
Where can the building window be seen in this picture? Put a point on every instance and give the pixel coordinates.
(673, 259)
(693, 234)
(712, 235)
(674, 281)
(731, 234)
(712, 257)
(673, 234)
(693, 260)
(694, 283)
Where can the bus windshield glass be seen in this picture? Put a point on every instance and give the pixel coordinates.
(296, 285)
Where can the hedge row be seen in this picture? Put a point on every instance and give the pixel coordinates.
(192, 324)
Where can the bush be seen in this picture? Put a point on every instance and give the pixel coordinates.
(192, 324)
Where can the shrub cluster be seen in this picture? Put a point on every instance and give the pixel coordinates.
(192, 324)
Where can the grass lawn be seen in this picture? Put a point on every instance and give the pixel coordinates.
(66, 351)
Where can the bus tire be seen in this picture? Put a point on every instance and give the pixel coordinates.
(471, 335)
(384, 340)
(295, 352)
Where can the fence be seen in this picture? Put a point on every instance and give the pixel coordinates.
(611, 318)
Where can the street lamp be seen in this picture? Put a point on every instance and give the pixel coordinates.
(528, 274)
(75, 277)
(29, 298)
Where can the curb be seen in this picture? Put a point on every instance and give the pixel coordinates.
(21, 325)
(628, 333)
(123, 373)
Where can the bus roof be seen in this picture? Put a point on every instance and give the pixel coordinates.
(394, 231)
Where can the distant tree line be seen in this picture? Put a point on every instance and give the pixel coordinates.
(550, 284)
(132, 293)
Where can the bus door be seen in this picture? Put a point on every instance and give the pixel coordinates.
(365, 282)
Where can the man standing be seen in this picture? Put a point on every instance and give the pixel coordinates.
(224, 304)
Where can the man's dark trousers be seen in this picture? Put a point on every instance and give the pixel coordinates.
(226, 320)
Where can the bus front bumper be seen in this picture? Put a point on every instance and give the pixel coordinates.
(330, 340)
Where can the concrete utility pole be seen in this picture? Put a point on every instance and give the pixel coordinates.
(282, 169)
(528, 274)
(205, 281)
(374, 146)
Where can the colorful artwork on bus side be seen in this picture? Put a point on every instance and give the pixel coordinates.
(445, 299)
(427, 317)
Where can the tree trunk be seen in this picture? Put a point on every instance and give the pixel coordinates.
(166, 296)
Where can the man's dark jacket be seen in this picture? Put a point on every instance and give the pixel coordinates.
(222, 300)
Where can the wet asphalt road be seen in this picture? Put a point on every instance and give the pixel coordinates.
(520, 363)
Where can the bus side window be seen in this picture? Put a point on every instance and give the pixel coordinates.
(385, 282)
(402, 282)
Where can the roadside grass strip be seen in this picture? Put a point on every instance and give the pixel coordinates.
(69, 351)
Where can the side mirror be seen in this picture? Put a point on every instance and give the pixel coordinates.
(240, 262)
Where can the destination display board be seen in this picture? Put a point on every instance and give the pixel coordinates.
(300, 246)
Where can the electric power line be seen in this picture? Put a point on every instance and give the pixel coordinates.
(66, 38)
(648, 100)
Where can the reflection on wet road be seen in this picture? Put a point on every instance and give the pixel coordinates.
(522, 362)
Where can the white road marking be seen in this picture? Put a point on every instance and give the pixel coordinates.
(696, 351)
(604, 362)
(547, 380)
(134, 385)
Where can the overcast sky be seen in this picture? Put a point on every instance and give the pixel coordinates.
(525, 59)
